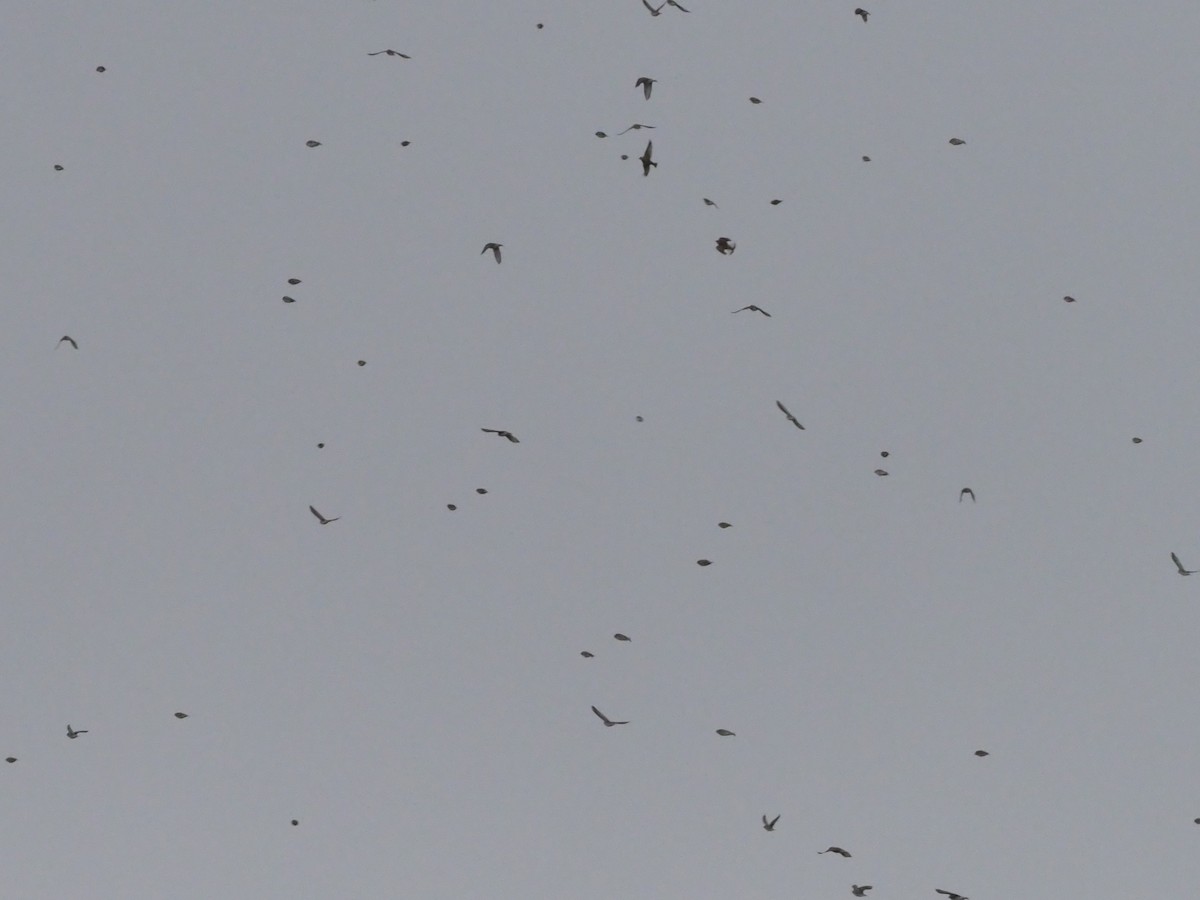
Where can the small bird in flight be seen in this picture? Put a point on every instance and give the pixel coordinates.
(790, 417)
(654, 11)
(753, 308)
(982, 753)
(1179, 566)
(724, 525)
(609, 723)
(708, 202)
(586, 654)
(391, 53)
(725, 732)
(72, 733)
(70, 340)
(952, 895)
(726, 246)
(770, 826)
(181, 715)
(504, 434)
(646, 161)
(966, 492)
(755, 101)
(704, 562)
(861, 13)
(838, 850)
(323, 520)
(881, 472)
(312, 143)
(636, 126)
(957, 142)
(677, 6)
(494, 247)
(646, 84)
(859, 890)
(622, 637)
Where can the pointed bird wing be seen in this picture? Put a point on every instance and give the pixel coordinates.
(787, 413)
(1178, 564)
(605, 719)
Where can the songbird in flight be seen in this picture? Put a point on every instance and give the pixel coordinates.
(609, 723)
(1179, 566)
(323, 520)
(859, 890)
(653, 11)
(770, 826)
(72, 733)
(753, 308)
(755, 101)
(725, 732)
(646, 84)
(957, 142)
(636, 126)
(704, 562)
(646, 161)
(838, 850)
(861, 13)
(726, 246)
(952, 895)
(504, 434)
(70, 340)
(966, 492)
(391, 53)
(494, 247)
(790, 417)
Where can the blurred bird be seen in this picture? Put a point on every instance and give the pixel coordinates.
(586, 654)
(653, 10)
(952, 895)
(677, 6)
(293, 281)
(770, 826)
(646, 161)
(495, 248)
(790, 417)
(323, 520)
(708, 202)
(704, 562)
(724, 525)
(646, 84)
(755, 101)
(861, 13)
(753, 308)
(726, 246)
(859, 890)
(70, 340)
(838, 850)
(982, 753)
(1137, 440)
(609, 723)
(504, 434)
(1179, 566)
(181, 715)
(312, 143)
(10, 759)
(391, 53)
(776, 202)
(1068, 299)
(725, 732)
(881, 472)
(72, 733)
(957, 142)
(636, 126)
(966, 492)
(622, 637)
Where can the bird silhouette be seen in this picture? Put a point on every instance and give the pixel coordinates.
(982, 753)
(881, 472)
(859, 890)
(769, 826)
(70, 340)
(636, 126)
(1065, 299)
(725, 732)
(391, 53)
(323, 520)
(312, 143)
(72, 733)
(861, 13)
(957, 142)
(726, 246)
(755, 101)
(677, 6)
(838, 850)
(753, 308)
(586, 654)
(646, 161)
(1179, 566)
(654, 11)
(952, 895)
(495, 248)
(790, 417)
(504, 434)
(724, 525)
(708, 202)
(966, 492)
(181, 715)
(622, 637)
(609, 723)
(704, 562)
(646, 83)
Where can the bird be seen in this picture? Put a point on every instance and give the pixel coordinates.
(295, 821)
(646, 83)
(181, 715)
(861, 13)
(838, 850)
(952, 895)
(72, 733)
(70, 340)
(312, 143)
(859, 890)
(653, 11)
(586, 654)
(881, 472)
(451, 507)
(391, 53)
(1068, 299)
(982, 753)
(866, 159)
(10, 759)
(724, 525)
(776, 202)
(57, 167)
(753, 308)
(504, 434)
(957, 142)
(790, 417)
(362, 362)
(708, 202)
(725, 732)
(1179, 566)
(704, 562)
(636, 126)
(726, 246)
(646, 161)
(883, 453)
(1137, 440)
(966, 492)
(770, 826)
(293, 281)
(494, 247)
(609, 723)
(287, 299)
(622, 637)
(601, 134)
(481, 490)
(323, 520)
(755, 101)
(677, 6)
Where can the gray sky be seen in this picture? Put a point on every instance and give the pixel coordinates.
(407, 681)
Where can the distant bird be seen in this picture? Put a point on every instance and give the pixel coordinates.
(586, 654)
(72, 733)
(724, 525)
(883, 453)
(957, 142)
(753, 308)
(726, 246)
(10, 759)
(1069, 299)
(181, 715)
(859, 890)
(838, 850)
(391, 53)
(636, 126)
(321, 446)
(790, 417)
(100, 69)
(966, 492)
(57, 167)
(504, 434)
(866, 159)
(677, 6)
(287, 299)
(646, 161)
(861, 13)
(1137, 440)
(601, 134)
(952, 895)
(639, 418)
(982, 753)
(725, 732)
(755, 101)
(622, 637)
(481, 490)
(323, 520)
(654, 11)
(776, 202)
(494, 247)
(646, 83)
(70, 340)
(295, 821)
(770, 826)
(704, 562)
(362, 362)
(609, 723)
(293, 281)
(708, 202)
(881, 472)
(451, 507)
(1179, 566)
(312, 143)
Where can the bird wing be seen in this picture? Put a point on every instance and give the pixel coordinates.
(677, 6)
(602, 716)
(313, 510)
(1178, 564)
(774, 820)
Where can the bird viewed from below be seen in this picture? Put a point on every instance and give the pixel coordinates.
(769, 826)
(390, 53)
(752, 308)
(504, 434)
(677, 6)
(725, 732)
(66, 337)
(636, 126)
(1179, 566)
(859, 890)
(321, 518)
(952, 895)
(654, 10)
(957, 142)
(646, 84)
(645, 159)
(312, 143)
(881, 472)
(966, 492)
(789, 415)
(73, 733)
(495, 248)
(609, 723)
(838, 850)
(708, 202)
(181, 715)
(982, 753)
(726, 246)
(622, 637)
(586, 654)
(1065, 299)
(862, 13)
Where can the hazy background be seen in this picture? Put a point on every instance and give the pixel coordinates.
(407, 681)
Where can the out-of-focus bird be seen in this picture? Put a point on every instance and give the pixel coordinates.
(586, 654)
(982, 753)
(859, 890)
(312, 143)
(622, 637)
(725, 732)
(753, 308)
(494, 247)
(881, 472)
(677, 6)
(708, 202)
(653, 10)
(646, 83)
(609, 723)
(770, 826)
(1137, 440)
(295, 821)
(838, 850)
(321, 518)
(776, 202)
(390, 53)
(966, 492)
(861, 13)
(1179, 566)
(636, 126)
(70, 340)
(724, 525)
(866, 159)
(790, 417)
(957, 142)
(601, 134)
(726, 246)
(645, 159)
(755, 101)
(181, 715)
(704, 562)
(72, 733)
(1068, 299)
(10, 759)
(504, 434)
(952, 895)
(287, 299)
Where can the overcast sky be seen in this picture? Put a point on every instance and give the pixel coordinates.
(406, 682)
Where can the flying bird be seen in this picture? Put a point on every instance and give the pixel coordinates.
(704, 562)
(677, 6)
(881, 472)
(725, 732)
(323, 520)
(724, 525)
(622, 637)
(952, 895)
(10, 759)
(312, 143)
(790, 417)
(708, 202)
(654, 11)
(391, 53)
(838, 850)
(982, 753)
(726, 246)
(861, 13)
(776, 202)
(181, 715)
(646, 161)
(966, 492)
(753, 308)
(72, 733)
(859, 890)
(504, 434)
(1137, 440)
(293, 281)
(636, 126)
(770, 826)
(494, 247)
(646, 84)
(609, 723)
(586, 654)
(70, 340)
(755, 101)
(957, 142)
(1179, 566)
